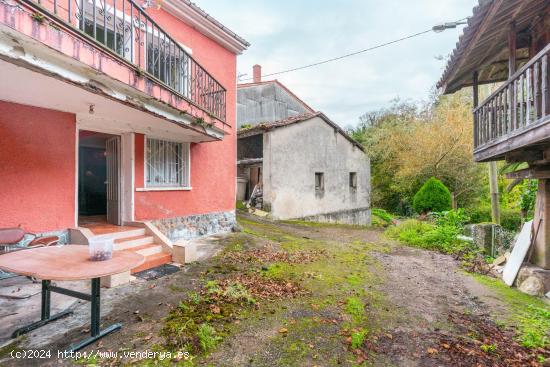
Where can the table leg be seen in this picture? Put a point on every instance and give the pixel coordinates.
(45, 316)
(95, 331)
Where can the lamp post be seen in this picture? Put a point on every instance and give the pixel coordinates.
(438, 28)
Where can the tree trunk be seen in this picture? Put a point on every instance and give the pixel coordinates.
(453, 202)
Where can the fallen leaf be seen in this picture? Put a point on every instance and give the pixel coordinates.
(432, 351)
(283, 330)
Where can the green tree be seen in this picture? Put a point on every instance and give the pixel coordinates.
(433, 196)
(408, 143)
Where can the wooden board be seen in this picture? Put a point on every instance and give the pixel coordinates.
(521, 247)
(69, 262)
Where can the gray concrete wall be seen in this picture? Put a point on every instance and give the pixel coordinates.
(265, 103)
(293, 154)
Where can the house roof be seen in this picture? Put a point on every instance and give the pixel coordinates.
(275, 81)
(264, 127)
(206, 24)
(483, 46)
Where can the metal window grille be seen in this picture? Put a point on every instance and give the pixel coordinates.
(167, 164)
(125, 28)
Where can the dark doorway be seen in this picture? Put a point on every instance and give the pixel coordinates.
(97, 162)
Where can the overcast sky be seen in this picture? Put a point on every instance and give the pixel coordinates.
(289, 33)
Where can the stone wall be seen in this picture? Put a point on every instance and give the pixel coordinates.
(189, 227)
(491, 238)
(360, 216)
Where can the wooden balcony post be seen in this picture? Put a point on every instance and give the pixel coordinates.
(511, 71)
(475, 87)
(544, 86)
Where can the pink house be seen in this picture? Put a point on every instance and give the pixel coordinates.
(117, 118)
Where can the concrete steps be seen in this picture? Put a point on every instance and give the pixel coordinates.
(137, 240)
(153, 261)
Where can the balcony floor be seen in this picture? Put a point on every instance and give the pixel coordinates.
(22, 85)
(531, 136)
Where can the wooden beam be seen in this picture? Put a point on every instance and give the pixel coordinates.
(541, 172)
(525, 155)
(475, 86)
(494, 6)
(512, 43)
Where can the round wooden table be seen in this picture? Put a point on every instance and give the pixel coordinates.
(69, 262)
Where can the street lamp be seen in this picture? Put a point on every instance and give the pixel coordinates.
(441, 27)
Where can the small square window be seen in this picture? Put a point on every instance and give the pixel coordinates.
(353, 180)
(319, 181)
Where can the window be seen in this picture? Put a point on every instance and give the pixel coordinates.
(112, 28)
(353, 180)
(101, 32)
(319, 181)
(167, 63)
(166, 164)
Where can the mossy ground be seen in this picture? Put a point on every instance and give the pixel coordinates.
(358, 300)
(530, 315)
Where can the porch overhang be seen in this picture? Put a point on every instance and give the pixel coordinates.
(49, 67)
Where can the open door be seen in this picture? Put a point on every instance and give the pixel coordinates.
(113, 180)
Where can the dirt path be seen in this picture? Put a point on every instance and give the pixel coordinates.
(297, 294)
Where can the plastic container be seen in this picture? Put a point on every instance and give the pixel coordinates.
(101, 249)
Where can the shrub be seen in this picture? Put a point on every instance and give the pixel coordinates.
(433, 196)
(381, 218)
(442, 237)
(455, 218)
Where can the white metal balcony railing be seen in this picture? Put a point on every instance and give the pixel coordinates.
(124, 29)
(520, 103)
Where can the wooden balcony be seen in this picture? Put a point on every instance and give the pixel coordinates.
(516, 115)
(123, 29)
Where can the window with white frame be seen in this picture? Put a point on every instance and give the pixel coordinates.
(166, 164)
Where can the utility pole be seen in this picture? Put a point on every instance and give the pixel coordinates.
(493, 173)
(493, 186)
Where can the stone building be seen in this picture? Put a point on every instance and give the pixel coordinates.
(305, 165)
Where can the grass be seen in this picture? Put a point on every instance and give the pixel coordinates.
(321, 225)
(208, 337)
(530, 315)
(337, 282)
(381, 218)
(428, 236)
(358, 338)
(355, 308)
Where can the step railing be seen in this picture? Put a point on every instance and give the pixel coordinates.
(123, 28)
(519, 103)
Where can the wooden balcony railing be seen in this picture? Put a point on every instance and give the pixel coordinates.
(123, 28)
(520, 103)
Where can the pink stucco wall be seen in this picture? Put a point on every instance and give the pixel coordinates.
(213, 165)
(37, 165)
(37, 154)
(70, 44)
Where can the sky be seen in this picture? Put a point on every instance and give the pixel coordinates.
(289, 33)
